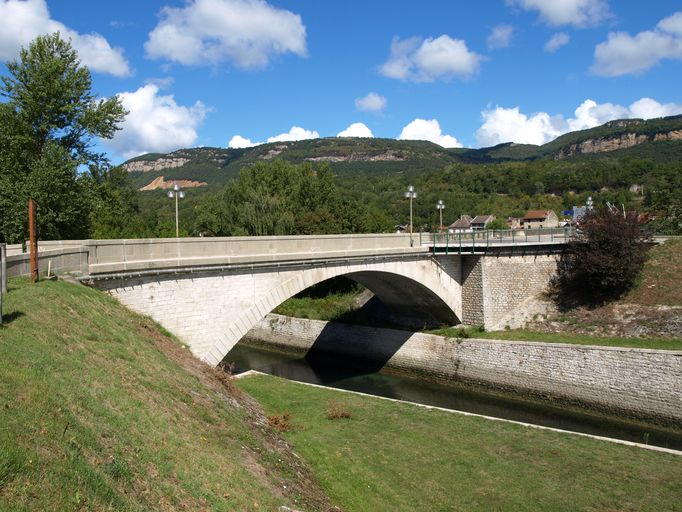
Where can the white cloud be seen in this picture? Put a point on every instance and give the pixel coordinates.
(421, 129)
(428, 60)
(557, 41)
(356, 130)
(500, 37)
(295, 133)
(511, 125)
(579, 13)
(623, 54)
(238, 142)
(646, 108)
(156, 123)
(373, 102)
(23, 21)
(161, 83)
(247, 33)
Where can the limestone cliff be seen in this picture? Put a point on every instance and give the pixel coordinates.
(606, 144)
(386, 156)
(155, 165)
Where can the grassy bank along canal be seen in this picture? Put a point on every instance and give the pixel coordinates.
(373, 454)
(356, 375)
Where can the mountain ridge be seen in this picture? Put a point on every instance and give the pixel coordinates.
(214, 166)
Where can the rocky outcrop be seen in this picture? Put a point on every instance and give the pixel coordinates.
(155, 165)
(606, 144)
(160, 183)
(274, 152)
(386, 156)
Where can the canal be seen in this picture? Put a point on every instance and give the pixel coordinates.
(354, 375)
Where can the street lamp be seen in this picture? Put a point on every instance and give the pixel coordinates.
(176, 193)
(590, 204)
(411, 194)
(440, 205)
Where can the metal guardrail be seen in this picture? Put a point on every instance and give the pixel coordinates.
(463, 243)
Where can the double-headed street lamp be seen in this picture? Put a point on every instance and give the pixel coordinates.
(176, 193)
(411, 194)
(440, 205)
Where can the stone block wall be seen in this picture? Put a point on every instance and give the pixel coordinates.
(638, 383)
(514, 288)
(472, 290)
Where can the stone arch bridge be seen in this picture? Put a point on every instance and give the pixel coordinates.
(211, 291)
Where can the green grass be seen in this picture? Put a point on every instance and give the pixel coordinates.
(99, 410)
(392, 456)
(328, 308)
(551, 337)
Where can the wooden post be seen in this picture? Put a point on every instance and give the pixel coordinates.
(33, 240)
(3, 275)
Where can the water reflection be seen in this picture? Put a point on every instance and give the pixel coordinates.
(355, 375)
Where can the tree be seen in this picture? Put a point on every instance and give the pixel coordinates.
(605, 259)
(47, 127)
(279, 198)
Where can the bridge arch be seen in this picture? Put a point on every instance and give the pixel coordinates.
(212, 312)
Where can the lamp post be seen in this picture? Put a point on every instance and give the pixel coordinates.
(176, 193)
(440, 205)
(411, 194)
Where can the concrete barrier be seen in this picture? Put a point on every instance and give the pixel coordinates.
(60, 261)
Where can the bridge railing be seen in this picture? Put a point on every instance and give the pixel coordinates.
(470, 242)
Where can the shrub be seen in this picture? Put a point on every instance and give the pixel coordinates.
(338, 411)
(604, 260)
(281, 422)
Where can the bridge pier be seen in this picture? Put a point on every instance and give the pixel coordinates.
(505, 289)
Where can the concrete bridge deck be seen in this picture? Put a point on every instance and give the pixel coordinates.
(211, 291)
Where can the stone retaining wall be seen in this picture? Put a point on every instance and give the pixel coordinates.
(638, 383)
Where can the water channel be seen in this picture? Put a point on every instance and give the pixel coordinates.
(353, 375)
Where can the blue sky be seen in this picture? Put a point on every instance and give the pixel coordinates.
(211, 72)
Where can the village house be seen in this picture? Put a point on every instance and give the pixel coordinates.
(535, 219)
(461, 225)
(480, 222)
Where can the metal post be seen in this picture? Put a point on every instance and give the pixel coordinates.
(33, 240)
(177, 226)
(411, 243)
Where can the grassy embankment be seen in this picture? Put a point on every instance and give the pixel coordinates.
(658, 288)
(100, 410)
(395, 456)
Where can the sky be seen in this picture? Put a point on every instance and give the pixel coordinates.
(233, 73)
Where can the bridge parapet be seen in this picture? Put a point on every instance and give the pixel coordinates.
(110, 256)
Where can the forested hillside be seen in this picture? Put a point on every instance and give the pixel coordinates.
(267, 189)
(657, 139)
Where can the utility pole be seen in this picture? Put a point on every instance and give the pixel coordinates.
(33, 240)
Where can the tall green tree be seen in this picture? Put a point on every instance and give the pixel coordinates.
(47, 127)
